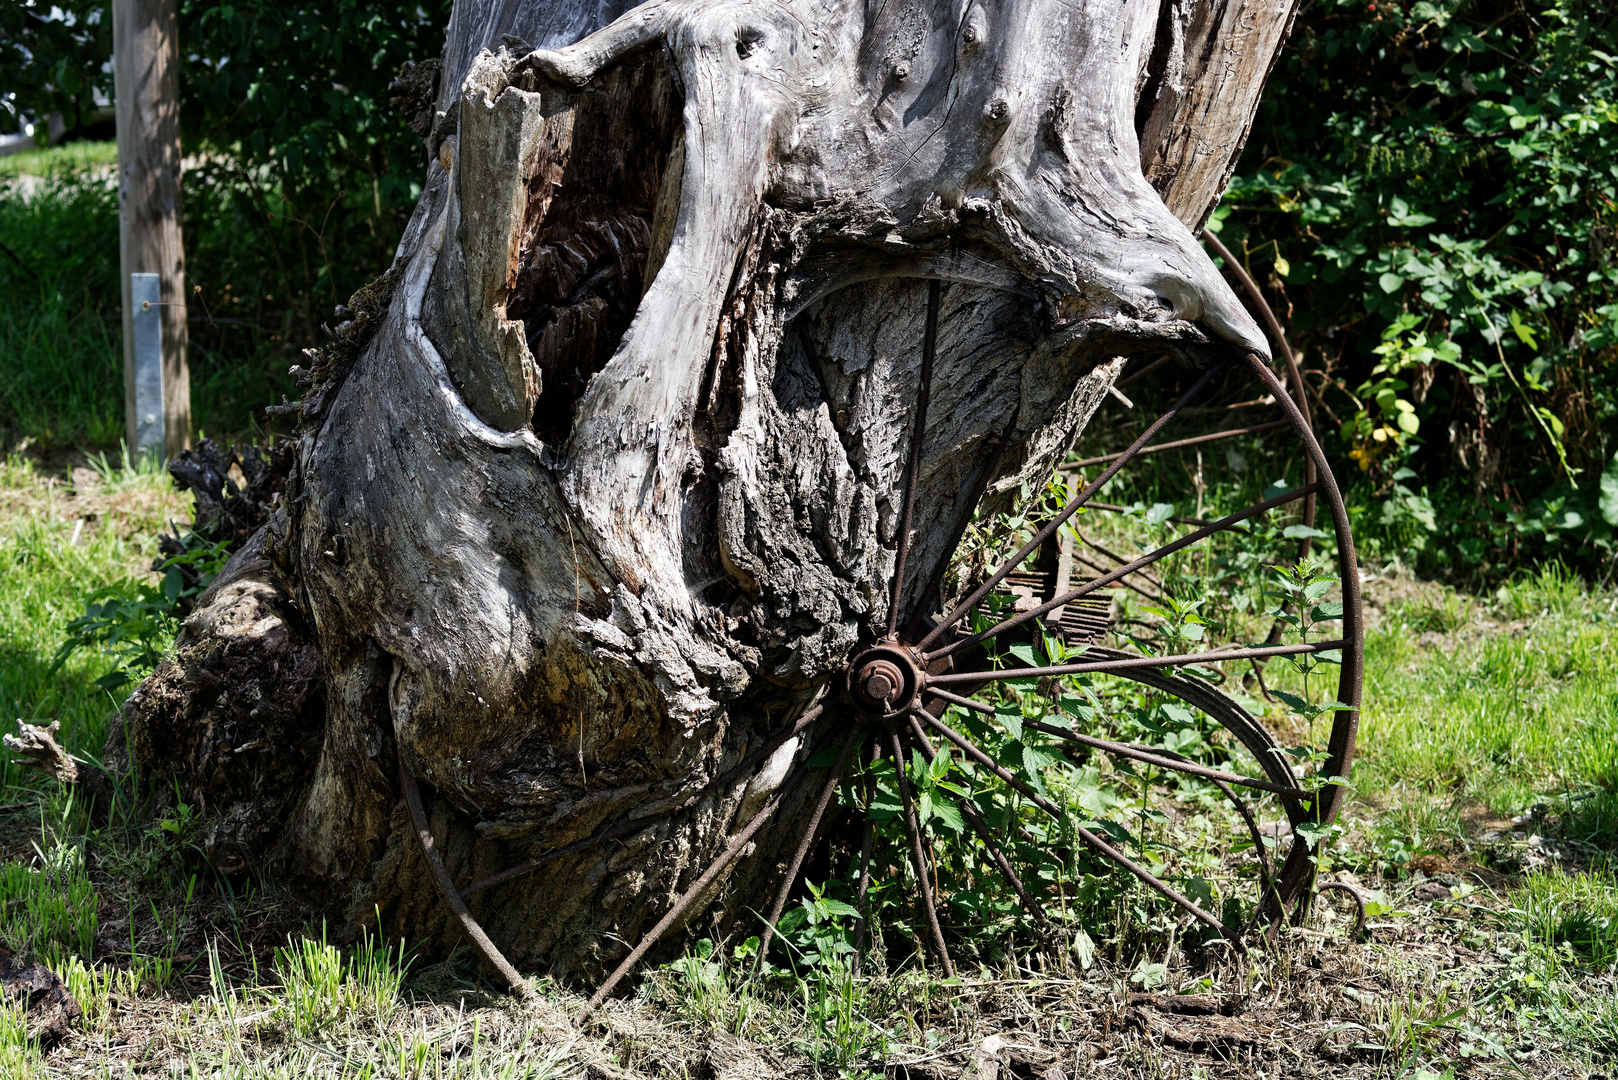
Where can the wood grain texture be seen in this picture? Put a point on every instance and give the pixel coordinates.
(146, 62)
(1200, 92)
(612, 490)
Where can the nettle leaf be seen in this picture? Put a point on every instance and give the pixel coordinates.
(1159, 513)
(918, 766)
(1025, 652)
(1010, 718)
(837, 908)
(1299, 532)
(1179, 714)
(950, 817)
(1297, 703)
(1315, 590)
(1313, 833)
(1326, 612)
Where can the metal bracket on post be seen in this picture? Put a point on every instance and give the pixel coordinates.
(147, 333)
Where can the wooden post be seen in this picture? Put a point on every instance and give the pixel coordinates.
(146, 75)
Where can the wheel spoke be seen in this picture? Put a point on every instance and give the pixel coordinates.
(1091, 840)
(929, 343)
(1069, 510)
(726, 857)
(917, 856)
(1211, 656)
(810, 828)
(974, 819)
(1125, 582)
(1163, 759)
(1180, 444)
(446, 888)
(1111, 576)
(957, 699)
(964, 508)
(867, 832)
(774, 742)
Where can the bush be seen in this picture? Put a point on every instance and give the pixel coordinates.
(1430, 194)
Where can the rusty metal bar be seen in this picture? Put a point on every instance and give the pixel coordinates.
(809, 830)
(1108, 578)
(1156, 757)
(1212, 656)
(961, 609)
(929, 344)
(1179, 444)
(726, 857)
(446, 888)
(862, 900)
(917, 856)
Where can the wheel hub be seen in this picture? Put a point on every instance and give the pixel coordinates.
(883, 680)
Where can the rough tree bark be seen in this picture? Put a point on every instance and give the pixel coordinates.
(595, 485)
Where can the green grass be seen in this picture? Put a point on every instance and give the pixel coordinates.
(58, 544)
(60, 328)
(52, 160)
(1518, 706)
(62, 384)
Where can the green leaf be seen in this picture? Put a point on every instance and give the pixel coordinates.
(837, 908)
(1297, 703)
(1391, 283)
(1315, 590)
(951, 817)
(1035, 761)
(1179, 714)
(1326, 612)
(1025, 652)
(1159, 513)
(1299, 532)
(1010, 718)
(1084, 949)
(1609, 493)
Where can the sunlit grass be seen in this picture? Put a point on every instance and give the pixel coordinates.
(69, 157)
(57, 544)
(1517, 706)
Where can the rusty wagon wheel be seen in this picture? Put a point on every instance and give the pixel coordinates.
(923, 682)
(893, 693)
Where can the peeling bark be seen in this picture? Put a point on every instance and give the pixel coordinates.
(597, 486)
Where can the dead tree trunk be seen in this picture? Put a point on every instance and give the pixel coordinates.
(593, 485)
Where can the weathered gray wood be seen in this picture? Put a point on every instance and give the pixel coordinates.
(146, 62)
(599, 484)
